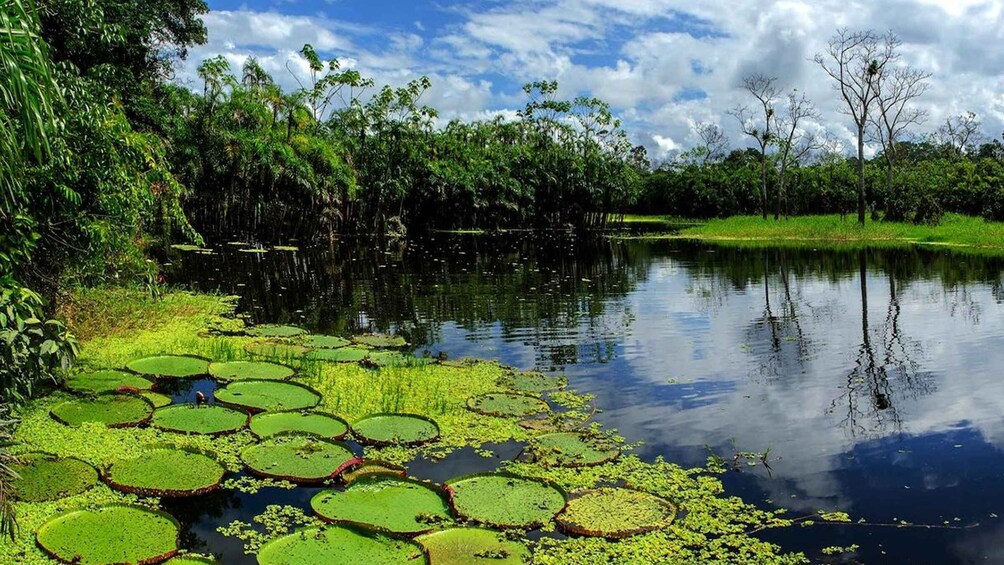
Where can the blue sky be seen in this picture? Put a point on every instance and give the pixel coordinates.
(664, 65)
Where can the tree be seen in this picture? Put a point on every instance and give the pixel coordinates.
(794, 142)
(896, 90)
(759, 124)
(714, 142)
(961, 135)
(857, 61)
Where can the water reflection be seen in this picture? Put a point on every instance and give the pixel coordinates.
(872, 374)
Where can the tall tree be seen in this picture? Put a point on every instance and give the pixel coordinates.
(896, 91)
(759, 123)
(961, 135)
(794, 142)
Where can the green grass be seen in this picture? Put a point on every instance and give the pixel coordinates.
(647, 220)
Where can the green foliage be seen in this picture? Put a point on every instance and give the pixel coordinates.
(110, 534)
(472, 546)
(395, 429)
(322, 425)
(166, 473)
(337, 544)
(505, 501)
(205, 420)
(170, 366)
(259, 396)
(615, 513)
(384, 503)
(106, 380)
(42, 477)
(240, 370)
(108, 409)
(507, 404)
(298, 459)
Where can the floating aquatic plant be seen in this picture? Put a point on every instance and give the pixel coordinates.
(615, 513)
(472, 546)
(167, 473)
(381, 341)
(274, 330)
(337, 544)
(260, 396)
(277, 350)
(320, 424)
(573, 449)
(112, 410)
(325, 341)
(242, 370)
(395, 429)
(108, 380)
(298, 459)
(201, 420)
(157, 399)
(369, 467)
(384, 503)
(505, 501)
(532, 381)
(116, 533)
(190, 560)
(507, 404)
(42, 477)
(171, 366)
(340, 355)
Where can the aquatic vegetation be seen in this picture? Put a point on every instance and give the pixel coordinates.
(258, 370)
(42, 477)
(380, 341)
(190, 560)
(532, 381)
(573, 449)
(373, 467)
(277, 350)
(270, 330)
(340, 355)
(157, 399)
(171, 366)
(337, 544)
(108, 409)
(328, 426)
(258, 396)
(472, 546)
(192, 419)
(166, 472)
(395, 429)
(325, 341)
(507, 404)
(505, 501)
(384, 503)
(615, 513)
(108, 380)
(110, 534)
(298, 459)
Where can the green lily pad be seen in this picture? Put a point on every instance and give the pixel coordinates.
(382, 341)
(272, 330)
(505, 501)
(615, 513)
(166, 472)
(395, 359)
(241, 370)
(325, 341)
(190, 560)
(268, 396)
(319, 424)
(507, 404)
(109, 380)
(570, 449)
(185, 247)
(112, 410)
(298, 459)
(173, 366)
(338, 545)
(116, 533)
(373, 467)
(395, 429)
(532, 381)
(158, 400)
(384, 503)
(43, 477)
(340, 355)
(472, 546)
(285, 248)
(280, 351)
(201, 420)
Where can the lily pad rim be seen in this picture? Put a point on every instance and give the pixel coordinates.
(390, 469)
(379, 443)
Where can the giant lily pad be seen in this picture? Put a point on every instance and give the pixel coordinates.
(370, 467)
(298, 459)
(384, 503)
(275, 331)
(242, 370)
(340, 355)
(114, 411)
(166, 472)
(109, 380)
(615, 513)
(507, 404)
(158, 400)
(570, 449)
(505, 501)
(395, 429)
(115, 533)
(382, 341)
(323, 425)
(43, 477)
(190, 560)
(338, 545)
(532, 381)
(325, 341)
(275, 350)
(260, 396)
(472, 546)
(203, 420)
(172, 366)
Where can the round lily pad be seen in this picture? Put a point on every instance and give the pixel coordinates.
(384, 503)
(395, 429)
(472, 546)
(166, 472)
(335, 545)
(382, 341)
(273, 350)
(373, 467)
(173, 366)
(319, 424)
(261, 396)
(505, 501)
(203, 420)
(116, 533)
(109, 380)
(340, 355)
(570, 449)
(112, 410)
(298, 459)
(42, 477)
(325, 341)
(532, 381)
(157, 399)
(270, 330)
(190, 560)
(395, 359)
(241, 370)
(507, 404)
(615, 513)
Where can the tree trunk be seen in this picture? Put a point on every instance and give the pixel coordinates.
(861, 174)
(763, 180)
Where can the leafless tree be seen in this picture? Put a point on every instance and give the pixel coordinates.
(759, 123)
(961, 134)
(714, 142)
(857, 62)
(794, 142)
(896, 90)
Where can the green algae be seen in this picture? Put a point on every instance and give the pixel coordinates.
(380, 341)
(111, 410)
(337, 545)
(326, 341)
(107, 380)
(532, 381)
(298, 459)
(166, 473)
(384, 503)
(266, 396)
(274, 330)
(242, 370)
(615, 513)
(320, 424)
(110, 534)
(572, 449)
(42, 477)
(472, 546)
(192, 419)
(395, 429)
(507, 404)
(505, 501)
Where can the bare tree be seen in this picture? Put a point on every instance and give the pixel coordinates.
(759, 123)
(857, 61)
(714, 142)
(794, 142)
(896, 90)
(961, 134)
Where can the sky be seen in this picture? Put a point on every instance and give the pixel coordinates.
(663, 65)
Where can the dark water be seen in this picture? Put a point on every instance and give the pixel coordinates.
(875, 377)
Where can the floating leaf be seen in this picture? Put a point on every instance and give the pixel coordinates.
(271, 330)
(325, 341)
(570, 449)
(115, 533)
(114, 411)
(297, 459)
(505, 501)
(241, 370)
(166, 473)
(314, 423)
(42, 477)
(395, 429)
(337, 545)
(472, 546)
(259, 396)
(615, 513)
(158, 400)
(108, 380)
(281, 351)
(190, 560)
(202, 420)
(384, 503)
(532, 381)
(507, 404)
(174, 366)
(340, 355)
(373, 467)
(382, 341)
